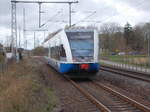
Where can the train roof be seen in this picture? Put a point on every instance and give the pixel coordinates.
(51, 35)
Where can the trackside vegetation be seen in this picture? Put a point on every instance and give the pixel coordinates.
(22, 89)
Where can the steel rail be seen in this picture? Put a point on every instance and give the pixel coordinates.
(128, 74)
(98, 104)
(123, 97)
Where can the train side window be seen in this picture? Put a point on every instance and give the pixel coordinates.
(58, 53)
(62, 53)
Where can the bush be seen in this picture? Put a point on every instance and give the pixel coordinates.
(22, 90)
(40, 51)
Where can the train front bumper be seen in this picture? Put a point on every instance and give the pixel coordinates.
(80, 67)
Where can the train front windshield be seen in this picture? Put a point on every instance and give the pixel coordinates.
(82, 45)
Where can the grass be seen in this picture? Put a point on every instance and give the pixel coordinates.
(136, 60)
(23, 90)
(120, 58)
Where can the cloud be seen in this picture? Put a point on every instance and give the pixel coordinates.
(136, 4)
(119, 11)
(104, 9)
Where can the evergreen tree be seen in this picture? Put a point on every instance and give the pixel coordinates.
(129, 35)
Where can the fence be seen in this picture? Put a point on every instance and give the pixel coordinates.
(134, 63)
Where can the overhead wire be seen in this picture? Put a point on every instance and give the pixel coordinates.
(109, 18)
(51, 18)
(84, 18)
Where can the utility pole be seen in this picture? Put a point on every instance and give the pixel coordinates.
(26, 43)
(70, 14)
(40, 14)
(34, 40)
(44, 35)
(14, 19)
(13, 29)
(49, 50)
(24, 28)
(149, 48)
(42, 2)
(19, 38)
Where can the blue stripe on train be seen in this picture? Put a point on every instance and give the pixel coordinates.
(64, 68)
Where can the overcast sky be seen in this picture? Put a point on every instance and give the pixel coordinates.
(120, 11)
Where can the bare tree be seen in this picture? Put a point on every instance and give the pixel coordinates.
(111, 34)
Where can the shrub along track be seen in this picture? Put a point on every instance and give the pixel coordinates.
(23, 90)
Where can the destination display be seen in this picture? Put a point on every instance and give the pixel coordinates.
(80, 35)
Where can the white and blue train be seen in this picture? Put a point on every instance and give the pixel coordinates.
(73, 51)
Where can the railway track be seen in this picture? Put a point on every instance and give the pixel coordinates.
(107, 99)
(132, 74)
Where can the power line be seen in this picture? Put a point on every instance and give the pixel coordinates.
(44, 2)
(84, 18)
(51, 18)
(109, 18)
(14, 17)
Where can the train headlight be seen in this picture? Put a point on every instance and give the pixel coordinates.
(84, 66)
